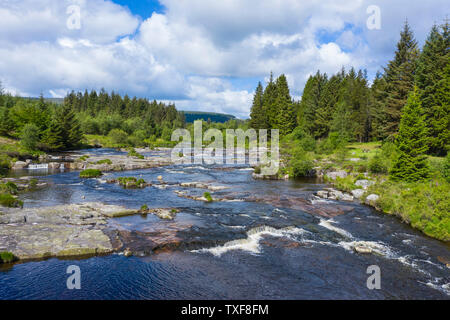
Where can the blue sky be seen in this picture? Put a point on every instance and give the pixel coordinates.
(200, 54)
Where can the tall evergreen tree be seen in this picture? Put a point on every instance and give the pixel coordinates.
(269, 107)
(399, 80)
(430, 77)
(376, 101)
(285, 118)
(310, 101)
(258, 118)
(411, 164)
(53, 138)
(71, 132)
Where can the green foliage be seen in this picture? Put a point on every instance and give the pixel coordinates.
(90, 173)
(411, 164)
(445, 169)
(378, 165)
(7, 257)
(30, 136)
(84, 158)
(132, 182)
(105, 161)
(9, 187)
(133, 153)
(144, 208)
(118, 137)
(300, 164)
(424, 205)
(7, 200)
(208, 197)
(433, 80)
(258, 118)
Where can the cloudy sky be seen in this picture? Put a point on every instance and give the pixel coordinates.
(201, 54)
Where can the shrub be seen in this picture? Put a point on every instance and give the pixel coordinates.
(7, 257)
(9, 201)
(445, 169)
(258, 170)
(118, 136)
(131, 182)
(208, 197)
(300, 164)
(8, 187)
(132, 153)
(30, 136)
(90, 173)
(106, 161)
(84, 158)
(144, 208)
(379, 165)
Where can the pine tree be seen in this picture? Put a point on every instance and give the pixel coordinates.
(376, 98)
(6, 123)
(258, 118)
(285, 119)
(327, 105)
(399, 80)
(310, 101)
(71, 132)
(54, 137)
(429, 79)
(411, 164)
(269, 107)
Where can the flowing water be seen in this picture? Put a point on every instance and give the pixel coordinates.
(266, 240)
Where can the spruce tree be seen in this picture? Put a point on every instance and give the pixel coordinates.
(54, 137)
(411, 164)
(71, 132)
(430, 77)
(269, 107)
(310, 101)
(285, 118)
(399, 80)
(258, 119)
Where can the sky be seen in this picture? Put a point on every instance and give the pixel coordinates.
(202, 55)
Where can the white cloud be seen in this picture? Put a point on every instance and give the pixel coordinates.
(187, 54)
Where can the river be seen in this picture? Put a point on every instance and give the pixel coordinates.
(267, 240)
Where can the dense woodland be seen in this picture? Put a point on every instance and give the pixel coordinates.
(346, 104)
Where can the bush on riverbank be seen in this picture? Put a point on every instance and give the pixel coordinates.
(132, 182)
(424, 205)
(7, 257)
(133, 153)
(7, 200)
(106, 161)
(90, 173)
(208, 197)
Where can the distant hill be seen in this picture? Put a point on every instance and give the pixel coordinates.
(191, 116)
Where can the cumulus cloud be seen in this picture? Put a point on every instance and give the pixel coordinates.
(187, 54)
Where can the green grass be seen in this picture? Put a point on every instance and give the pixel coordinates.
(132, 182)
(90, 173)
(424, 205)
(9, 201)
(208, 197)
(105, 161)
(7, 257)
(132, 153)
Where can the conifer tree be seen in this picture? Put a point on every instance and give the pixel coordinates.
(411, 164)
(258, 118)
(430, 79)
(285, 118)
(53, 137)
(269, 107)
(399, 80)
(310, 101)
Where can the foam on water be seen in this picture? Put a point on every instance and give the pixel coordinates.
(251, 243)
(328, 225)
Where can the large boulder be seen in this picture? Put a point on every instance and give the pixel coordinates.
(364, 184)
(337, 174)
(358, 193)
(19, 165)
(372, 199)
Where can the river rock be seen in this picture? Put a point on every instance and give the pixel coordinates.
(358, 193)
(372, 199)
(165, 214)
(59, 231)
(364, 183)
(337, 174)
(18, 165)
(54, 165)
(322, 194)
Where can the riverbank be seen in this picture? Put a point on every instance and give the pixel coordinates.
(359, 173)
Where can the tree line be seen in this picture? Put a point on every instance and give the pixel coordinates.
(348, 106)
(48, 126)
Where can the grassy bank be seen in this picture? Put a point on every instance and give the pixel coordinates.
(423, 205)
